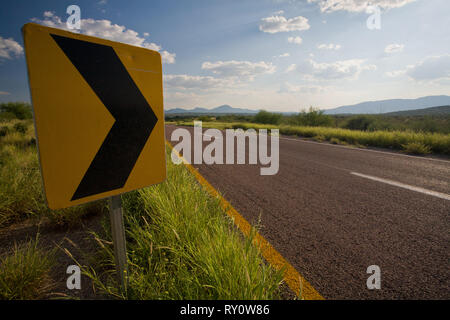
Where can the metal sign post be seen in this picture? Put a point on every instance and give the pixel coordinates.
(118, 235)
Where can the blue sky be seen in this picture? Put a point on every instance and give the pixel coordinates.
(279, 55)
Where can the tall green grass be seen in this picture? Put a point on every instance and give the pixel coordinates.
(21, 194)
(182, 245)
(24, 274)
(433, 142)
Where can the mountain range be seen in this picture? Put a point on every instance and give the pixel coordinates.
(225, 109)
(391, 105)
(367, 107)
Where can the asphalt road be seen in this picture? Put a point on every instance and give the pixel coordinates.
(332, 211)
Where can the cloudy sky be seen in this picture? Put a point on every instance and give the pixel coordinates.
(280, 55)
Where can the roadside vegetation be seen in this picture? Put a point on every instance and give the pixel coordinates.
(25, 273)
(21, 194)
(411, 134)
(181, 244)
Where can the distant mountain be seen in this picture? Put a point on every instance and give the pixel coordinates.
(225, 109)
(391, 105)
(433, 111)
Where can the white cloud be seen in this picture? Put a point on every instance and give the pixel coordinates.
(106, 29)
(291, 88)
(284, 55)
(345, 69)
(9, 48)
(358, 5)
(184, 81)
(395, 73)
(295, 40)
(394, 47)
(243, 70)
(278, 23)
(431, 68)
(291, 68)
(330, 46)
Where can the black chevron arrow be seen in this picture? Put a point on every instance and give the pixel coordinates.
(102, 69)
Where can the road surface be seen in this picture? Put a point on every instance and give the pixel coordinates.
(332, 211)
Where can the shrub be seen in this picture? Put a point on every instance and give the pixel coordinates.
(4, 131)
(319, 138)
(314, 118)
(21, 110)
(416, 148)
(25, 273)
(265, 117)
(359, 123)
(6, 116)
(20, 127)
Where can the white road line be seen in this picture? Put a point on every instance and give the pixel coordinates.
(404, 186)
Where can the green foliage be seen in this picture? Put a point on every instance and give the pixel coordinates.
(428, 124)
(313, 118)
(416, 148)
(437, 143)
(21, 127)
(182, 245)
(20, 110)
(265, 117)
(4, 130)
(6, 116)
(205, 118)
(361, 123)
(24, 274)
(21, 194)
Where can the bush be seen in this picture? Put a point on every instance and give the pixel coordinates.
(6, 116)
(314, 118)
(25, 273)
(265, 117)
(20, 127)
(21, 110)
(416, 148)
(4, 131)
(361, 123)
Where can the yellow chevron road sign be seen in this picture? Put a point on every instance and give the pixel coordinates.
(98, 111)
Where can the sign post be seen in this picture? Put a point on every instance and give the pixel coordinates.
(98, 112)
(99, 118)
(118, 236)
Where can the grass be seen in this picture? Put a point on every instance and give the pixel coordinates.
(24, 275)
(416, 148)
(21, 195)
(182, 245)
(400, 140)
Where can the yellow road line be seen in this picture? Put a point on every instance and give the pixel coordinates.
(295, 281)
